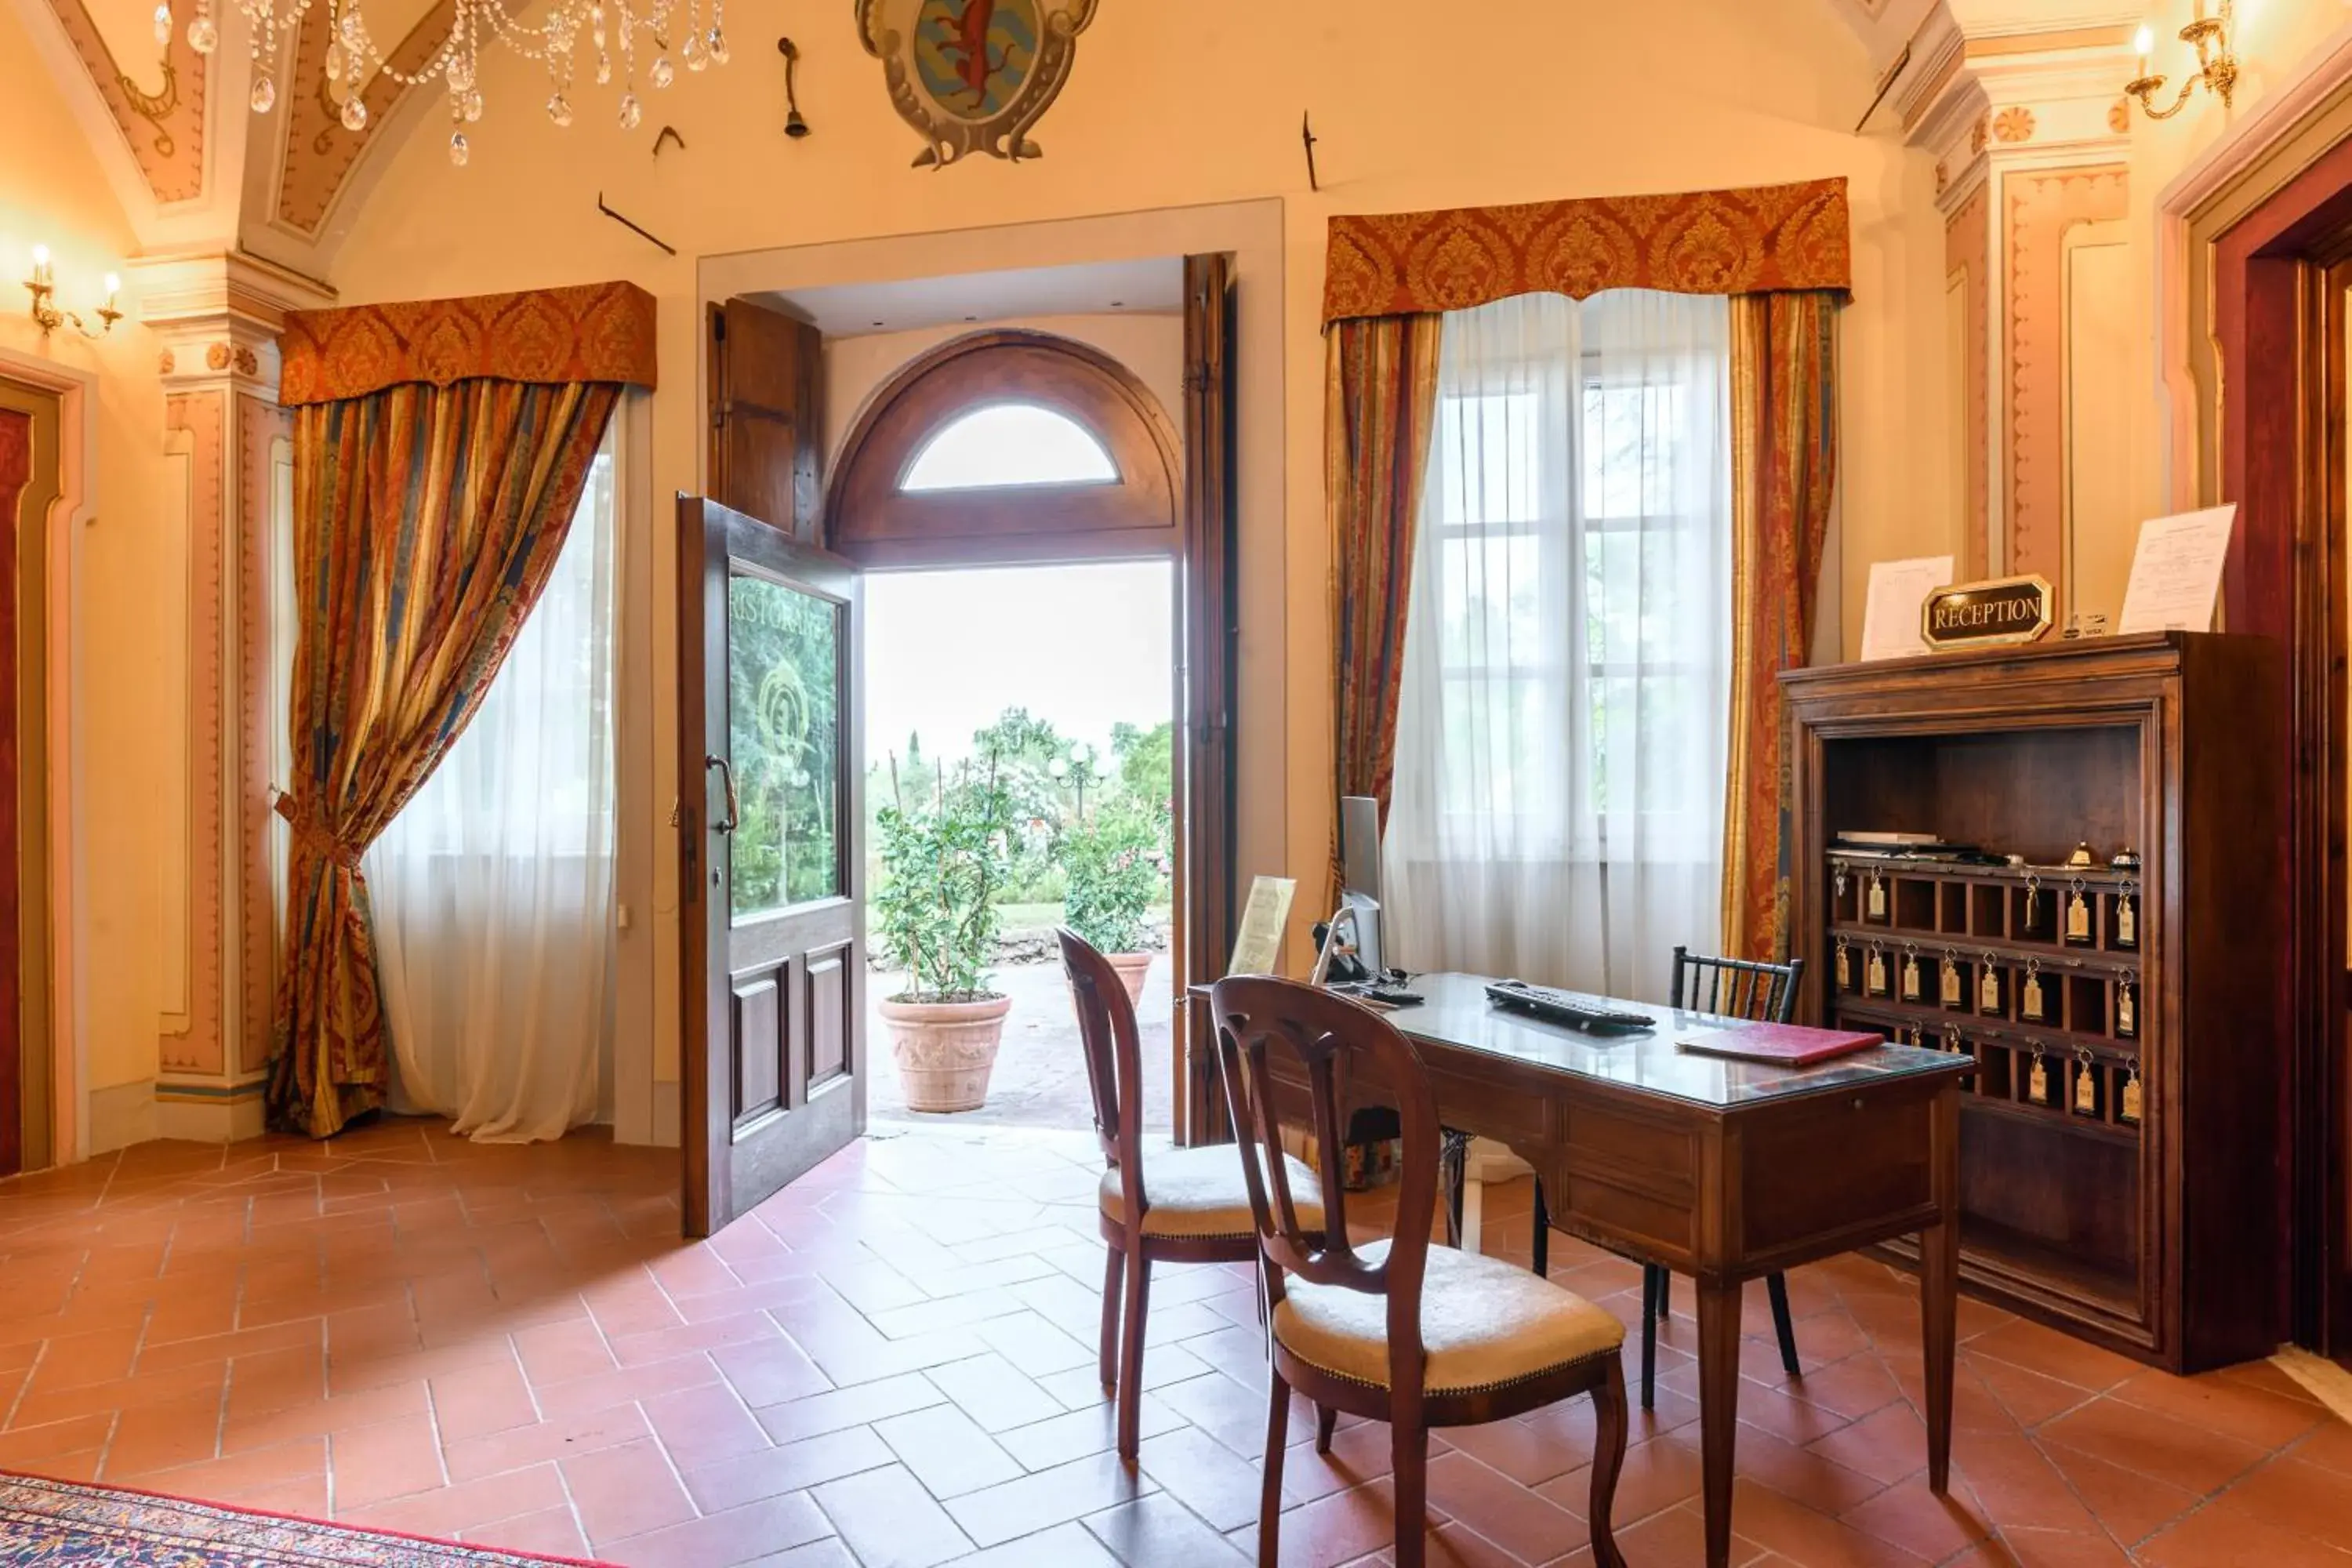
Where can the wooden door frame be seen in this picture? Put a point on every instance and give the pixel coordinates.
(2278, 389)
(52, 1125)
(1205, 622)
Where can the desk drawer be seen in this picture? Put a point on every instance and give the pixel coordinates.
(1833, 1165)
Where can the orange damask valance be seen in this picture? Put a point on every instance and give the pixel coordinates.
(1750, 241)
(588, 332)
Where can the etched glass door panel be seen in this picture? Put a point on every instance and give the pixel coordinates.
(784, 651)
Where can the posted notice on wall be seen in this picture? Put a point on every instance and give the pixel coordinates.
(2176, 572)
(1257, 946)
(1890, 615)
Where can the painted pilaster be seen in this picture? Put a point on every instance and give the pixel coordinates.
(217, 318)
(2030, 134)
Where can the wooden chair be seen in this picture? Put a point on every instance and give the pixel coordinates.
(1174, 1205)
(1420, 1337)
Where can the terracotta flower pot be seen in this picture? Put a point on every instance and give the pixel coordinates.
(1130, 968)
(945, 1050)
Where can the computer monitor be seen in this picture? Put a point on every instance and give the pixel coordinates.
(1359, 875)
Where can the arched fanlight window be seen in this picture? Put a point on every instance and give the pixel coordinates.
(1001, 443)
(1006, 445)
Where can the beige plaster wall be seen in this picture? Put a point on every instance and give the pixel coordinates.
(1174, 106)
(2275, 37)
(121, 590)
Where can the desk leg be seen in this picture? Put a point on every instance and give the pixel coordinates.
(1718, 1410)
(1939, 1307)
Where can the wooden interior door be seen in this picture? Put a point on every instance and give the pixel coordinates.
(767, 416)
(1209, 634)
(772, 844)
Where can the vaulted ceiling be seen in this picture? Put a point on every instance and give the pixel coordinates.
(190, 161)
(191, 164)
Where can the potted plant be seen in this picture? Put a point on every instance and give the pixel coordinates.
(1114, 863)
(943, 869)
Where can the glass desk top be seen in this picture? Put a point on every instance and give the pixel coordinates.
(1454, 1012)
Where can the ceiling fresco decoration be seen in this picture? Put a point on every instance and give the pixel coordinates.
(157, 102)
(319, 150)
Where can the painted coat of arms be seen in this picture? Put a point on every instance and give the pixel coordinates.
(974, 76)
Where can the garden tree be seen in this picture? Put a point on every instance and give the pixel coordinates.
(1147, 761)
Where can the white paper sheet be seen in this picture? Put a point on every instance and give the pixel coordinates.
(2176, 572)
(1890, 615)
(1257, 946)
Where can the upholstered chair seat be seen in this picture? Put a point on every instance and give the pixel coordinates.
(1484, 1324)
(1202, 1193)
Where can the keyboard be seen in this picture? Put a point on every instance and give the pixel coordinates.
(1570, 1007)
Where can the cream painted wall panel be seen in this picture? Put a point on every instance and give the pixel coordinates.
(130, 680)
(2100, 487)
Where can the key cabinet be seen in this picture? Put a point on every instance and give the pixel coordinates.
(2119, 1149)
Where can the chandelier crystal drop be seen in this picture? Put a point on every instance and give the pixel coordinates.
(610, 30)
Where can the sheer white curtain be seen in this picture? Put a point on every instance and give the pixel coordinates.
(493, 890)
(1560, 771)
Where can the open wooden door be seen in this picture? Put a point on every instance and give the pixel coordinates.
(770, 836)
(767, 416)
(1208, 619)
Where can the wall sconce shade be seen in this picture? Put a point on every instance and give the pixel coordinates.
(2217, 64)
(43, 286)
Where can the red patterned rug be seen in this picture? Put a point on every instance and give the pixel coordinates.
(64, 1524)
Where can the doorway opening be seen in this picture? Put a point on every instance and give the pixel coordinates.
(961, 444)
(1055, 679)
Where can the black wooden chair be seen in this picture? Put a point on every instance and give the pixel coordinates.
(1402, 1331)
(1731, 988)
(1173, 1206)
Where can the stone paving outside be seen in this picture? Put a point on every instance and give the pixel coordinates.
(1041, 1071)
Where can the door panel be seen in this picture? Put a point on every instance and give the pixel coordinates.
(767, 415)
(771, 970)
(828, 1009)
(1210, 631)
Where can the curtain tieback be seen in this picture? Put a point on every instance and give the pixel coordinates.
(311, 831)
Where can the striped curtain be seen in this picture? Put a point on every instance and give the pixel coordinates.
(1783, 473)
(1379, 397)
(426, 519)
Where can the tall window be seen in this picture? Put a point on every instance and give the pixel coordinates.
(493, 888)
(1558, 807)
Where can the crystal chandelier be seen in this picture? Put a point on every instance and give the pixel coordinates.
(613, 29)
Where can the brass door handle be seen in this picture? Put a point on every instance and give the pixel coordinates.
(734, 807)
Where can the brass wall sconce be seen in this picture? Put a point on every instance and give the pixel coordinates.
(2217, 66)
(43, 284)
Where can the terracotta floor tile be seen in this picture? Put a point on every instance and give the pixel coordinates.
(1017, 1507)
(624, 1490)
(1531, 1527)
(946, 1451)
(793, 1467)
(1909, 1515)
(897, 1355)
(390, 1459)
(2228, 1533)
(1157, 1532)
(889, 1521)
(752, 1533)
(2195, 1458)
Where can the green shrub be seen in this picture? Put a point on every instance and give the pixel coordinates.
(944, 863)
(1115, 862)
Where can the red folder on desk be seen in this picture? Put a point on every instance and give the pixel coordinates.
(1783, 1044)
